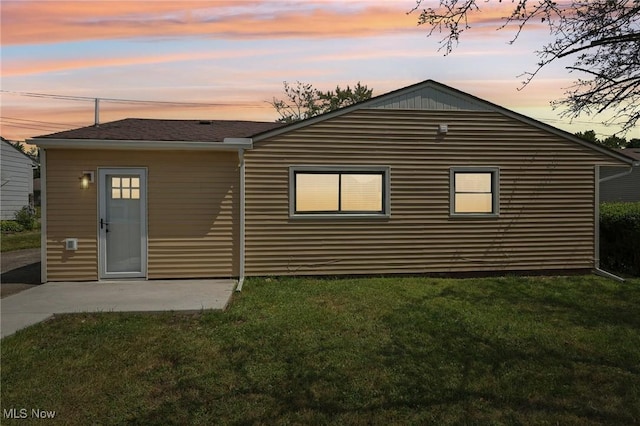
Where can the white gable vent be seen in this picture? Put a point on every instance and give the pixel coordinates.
(71, 244)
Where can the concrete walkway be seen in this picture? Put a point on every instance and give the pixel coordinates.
(41, 302)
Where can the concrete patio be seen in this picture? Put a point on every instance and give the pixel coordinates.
(41, 302)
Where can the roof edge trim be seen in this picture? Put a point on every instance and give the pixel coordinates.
(237, 143)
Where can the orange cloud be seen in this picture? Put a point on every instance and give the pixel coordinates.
(53, 65)
(49, 22)
(27, 22)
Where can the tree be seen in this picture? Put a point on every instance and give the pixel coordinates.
(601, 36)
(304, 101)
(589, 135)
(331, 100)
(17, 145)
(610, 142)
(614, 142)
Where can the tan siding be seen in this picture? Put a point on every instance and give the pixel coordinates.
(192, 206)
(546, 197)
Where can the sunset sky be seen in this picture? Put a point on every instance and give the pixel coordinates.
(231, 58)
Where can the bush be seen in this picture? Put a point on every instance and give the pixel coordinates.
(620, 237)
(7, 226)
(26, 217)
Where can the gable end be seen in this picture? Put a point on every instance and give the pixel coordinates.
(429, 98)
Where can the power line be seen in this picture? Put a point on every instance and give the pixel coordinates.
(115, 100)
(48, 123)
(31, 127)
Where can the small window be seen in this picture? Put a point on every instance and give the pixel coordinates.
(336, 191)
(125, 187)
(474, 191)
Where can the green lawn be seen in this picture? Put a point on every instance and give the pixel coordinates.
(20, 240)
(349, 351)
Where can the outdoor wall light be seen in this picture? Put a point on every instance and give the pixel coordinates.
(86, 179)
(443, 129)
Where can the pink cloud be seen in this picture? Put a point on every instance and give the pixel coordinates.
(36, 66)
(49, 22)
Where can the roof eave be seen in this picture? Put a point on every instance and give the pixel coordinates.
(229, 144)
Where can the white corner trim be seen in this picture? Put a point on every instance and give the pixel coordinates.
(43, 215)
(242, 220)
(596, 217)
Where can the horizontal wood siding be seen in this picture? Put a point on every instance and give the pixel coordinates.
(546, 216)
(16, 181)
(192, 212)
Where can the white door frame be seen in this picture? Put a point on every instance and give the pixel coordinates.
(102, 210)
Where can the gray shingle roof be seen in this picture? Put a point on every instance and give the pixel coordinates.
(138, 129)
(631, 152)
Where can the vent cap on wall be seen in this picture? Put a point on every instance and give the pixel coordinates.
(71, 244)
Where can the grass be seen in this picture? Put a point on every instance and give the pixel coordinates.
(23, 239)
(346, 351)
(20, 240)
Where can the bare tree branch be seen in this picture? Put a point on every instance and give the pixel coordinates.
(602, 37)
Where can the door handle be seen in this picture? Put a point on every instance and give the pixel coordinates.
(103, 224)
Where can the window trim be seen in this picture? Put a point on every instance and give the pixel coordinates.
(495, 190)
(320, 169)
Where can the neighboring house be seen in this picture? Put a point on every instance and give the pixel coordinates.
(425, 179)
(625, 188)
(16, 181)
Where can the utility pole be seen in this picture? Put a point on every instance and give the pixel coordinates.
(97, 112)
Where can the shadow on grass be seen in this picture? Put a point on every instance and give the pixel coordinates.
(371, 352)
(442, 358)
(29, 274)
(582, 300)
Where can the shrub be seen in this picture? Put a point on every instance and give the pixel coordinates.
(26, 217)
(620, 237)
(7, 226)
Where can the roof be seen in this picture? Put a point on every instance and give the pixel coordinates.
(139, 129)
(199, 134)
(630, 152)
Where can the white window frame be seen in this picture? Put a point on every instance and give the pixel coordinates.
(386, 190)
(495, 191)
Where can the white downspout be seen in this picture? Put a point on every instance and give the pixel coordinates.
(242, 217)
(598, 181)
(43, 215)
(626, 172)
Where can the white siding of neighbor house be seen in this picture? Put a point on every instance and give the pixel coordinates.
(16, 180)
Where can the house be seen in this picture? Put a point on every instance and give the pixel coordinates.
(624, 186)
(424, 179)
(16, 180)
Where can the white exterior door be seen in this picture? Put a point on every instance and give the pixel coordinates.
(122, 223)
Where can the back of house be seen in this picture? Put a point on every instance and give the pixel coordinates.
(425, 179)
